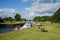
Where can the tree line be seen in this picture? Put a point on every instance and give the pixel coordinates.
(16, 18)
(54, 18)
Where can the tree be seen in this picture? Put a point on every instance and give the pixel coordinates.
(23, 19)
(56, 16)
(46, 18)
(8, 19)
(17, 17)
(38, 18)
(42, 18)
(1, 20)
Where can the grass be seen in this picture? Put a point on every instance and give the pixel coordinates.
(13, 22)
(34, 33)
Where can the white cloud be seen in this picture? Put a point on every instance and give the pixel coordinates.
(42, 9)
(6, 12)
(24, 0)
(58, 0)
(44, 1)
(1, 11)
(41, 1)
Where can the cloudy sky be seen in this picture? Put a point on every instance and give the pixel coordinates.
(28, 8)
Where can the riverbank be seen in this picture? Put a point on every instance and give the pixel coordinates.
(34, 33)
(14, 22)
(11, 24)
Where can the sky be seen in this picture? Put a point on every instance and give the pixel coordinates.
(28, 8)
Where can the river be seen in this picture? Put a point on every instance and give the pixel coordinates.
(25, 26)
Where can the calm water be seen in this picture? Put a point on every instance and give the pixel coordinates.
(5, 30)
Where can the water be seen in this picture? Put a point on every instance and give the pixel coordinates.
(5, 30)
(25, 26)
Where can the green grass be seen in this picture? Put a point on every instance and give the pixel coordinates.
(34, 33)
(14, 22)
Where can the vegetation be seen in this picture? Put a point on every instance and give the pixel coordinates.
(10, 20)
(47, 32)
(17, 17)
(43, 18)
(1, 20)
(23, 19)
(53, 18)
(37, 19)
(13, 22)
(34, 33)
(56, 16)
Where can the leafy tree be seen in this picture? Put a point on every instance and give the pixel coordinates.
(56, 16)
(17, 17)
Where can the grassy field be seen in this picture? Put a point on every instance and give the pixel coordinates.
(34, 33)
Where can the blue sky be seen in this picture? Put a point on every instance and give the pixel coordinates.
(15, 4)
(28, 8)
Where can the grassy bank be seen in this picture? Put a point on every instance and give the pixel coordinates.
(34, 33)
(14, 22)
(11, 24)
